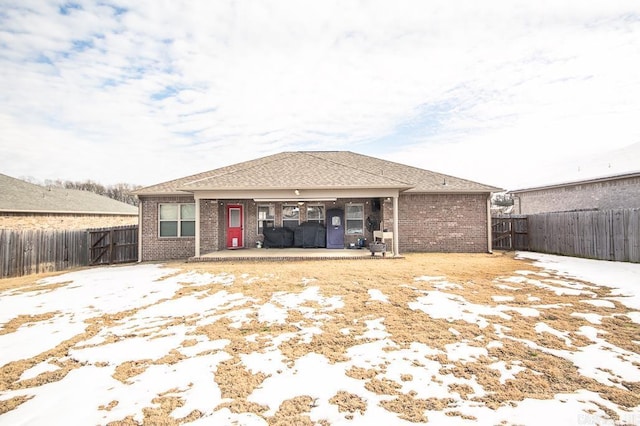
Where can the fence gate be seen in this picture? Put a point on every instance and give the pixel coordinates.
(113, 245)
(510, 232)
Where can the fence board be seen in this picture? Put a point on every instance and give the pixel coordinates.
(601, 234)
(633, 234)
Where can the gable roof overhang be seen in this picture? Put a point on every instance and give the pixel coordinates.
(294, 194)
(341, 173)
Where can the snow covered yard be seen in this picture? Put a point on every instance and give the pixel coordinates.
(457, 339)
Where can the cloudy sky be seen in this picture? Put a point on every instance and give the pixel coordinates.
(509, 93)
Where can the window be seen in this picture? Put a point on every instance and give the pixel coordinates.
(355, 218)
(177, 220)
(290, 216)
(315, 213)
(266, 217)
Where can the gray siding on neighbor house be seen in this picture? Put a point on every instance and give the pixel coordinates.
(602, 195)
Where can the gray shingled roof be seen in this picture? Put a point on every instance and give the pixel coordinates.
(318, 170)
(628, 175)
(19, 196)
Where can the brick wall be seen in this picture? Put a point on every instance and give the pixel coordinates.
(19, 221)
(428, 223)
(209, 226)
(440, 222)
(613, 194)
(154, 247)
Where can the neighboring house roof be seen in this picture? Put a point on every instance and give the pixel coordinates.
(18, 196)
(622, 176)
(318, 170)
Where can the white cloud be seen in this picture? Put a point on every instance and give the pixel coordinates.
(156, 91)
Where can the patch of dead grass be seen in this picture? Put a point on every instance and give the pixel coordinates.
(235, 381)
(110, 406)
(408, 407)
(17, 322)
(349, 402)
(461, 389)
(622, 332)
(128, 369)
(361, 373)
(7, 405)
(461, 415)
(241, 405)
(292, 412)
(10, 373)
(383, 386)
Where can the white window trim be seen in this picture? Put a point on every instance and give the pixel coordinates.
(324, 213)
(178, 220)
(289, 220)
(273, 219)
(347, 219)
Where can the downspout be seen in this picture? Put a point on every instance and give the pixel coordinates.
(489, 236)
(396, 244)
(519, 203)
(139, 230)
(197, 253)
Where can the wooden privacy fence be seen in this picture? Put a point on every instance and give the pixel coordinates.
(599, 234)
(113, 245)
(27, 252)
(24, 252)
(510, 232)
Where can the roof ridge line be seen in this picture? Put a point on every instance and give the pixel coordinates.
(241, 168)
(412, 184)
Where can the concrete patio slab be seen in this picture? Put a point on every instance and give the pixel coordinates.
(289, 254)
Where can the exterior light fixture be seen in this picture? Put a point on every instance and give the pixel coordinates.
(296, 192)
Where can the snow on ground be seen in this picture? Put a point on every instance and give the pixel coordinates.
(146, 323)
(622, 276)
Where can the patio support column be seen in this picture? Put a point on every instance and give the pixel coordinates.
(197, 236)
(140, 204)
(396, 244)
(489, 226)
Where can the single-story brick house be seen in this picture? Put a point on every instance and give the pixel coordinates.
(620, 191)
(349, 194)
(24, 205)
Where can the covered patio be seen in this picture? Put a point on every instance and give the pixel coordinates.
(234, 217)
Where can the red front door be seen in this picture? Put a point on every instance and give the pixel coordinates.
(235, 220)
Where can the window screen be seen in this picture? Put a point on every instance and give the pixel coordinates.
(355, 218)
